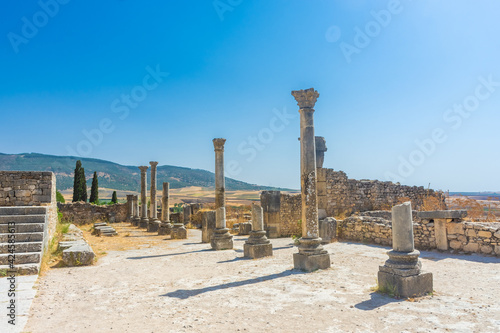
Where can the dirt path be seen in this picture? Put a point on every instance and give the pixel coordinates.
(183, 286)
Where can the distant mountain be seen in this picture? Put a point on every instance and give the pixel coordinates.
(113, 175)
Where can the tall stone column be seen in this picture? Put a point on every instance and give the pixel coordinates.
(402, 273)
(130, 207)
(257, 245)
(137, 218)
(165, 225)
(153, 223)
(311, 254)
(144, 199)
(221, 239)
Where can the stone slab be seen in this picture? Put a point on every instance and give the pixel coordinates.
(78, 255)
(443, 214)
(255, 251)
(312, 262)
(417, 285)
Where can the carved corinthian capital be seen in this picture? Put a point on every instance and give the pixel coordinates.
(219, 144)
(305, 98)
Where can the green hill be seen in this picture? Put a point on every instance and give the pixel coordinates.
(113, 175)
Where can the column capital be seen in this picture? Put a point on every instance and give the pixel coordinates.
(305, 98)
(219, 144)
(153, 164)
(144, 168)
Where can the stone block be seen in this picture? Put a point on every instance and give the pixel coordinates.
(484, 234)
(443, 214)
(406, 286)
(321, 213)
(255, 251)
(207, 226)
(153, 226)
(471, 247)
(78, 255)
(497, 250)
(328, 230)
(486, 249)
(245, 228)
(456, 245)
(471, 233)
(179, 232)
(454, 228)
(312, 262)
(441, 234)
(165, 228)
(497, 234)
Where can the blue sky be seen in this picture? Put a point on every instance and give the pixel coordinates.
(409, 90)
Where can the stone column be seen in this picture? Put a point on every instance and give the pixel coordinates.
(401, 273)
(153, 223)
(130, 207)
(207, 226)
(137, 218)
(271, 204)
(221, 239)
(144, 199)
(311, 254)
(165, 225)
(257, 245)
(320, 151)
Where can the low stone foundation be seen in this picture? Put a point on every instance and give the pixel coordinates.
(84, 212)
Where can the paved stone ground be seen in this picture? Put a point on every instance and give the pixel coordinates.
(25, 293)
(183, 286)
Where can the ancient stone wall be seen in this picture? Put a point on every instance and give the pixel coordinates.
(31, 188)
(343, 196)
(83, 212)
(290, 215)
(467, 237)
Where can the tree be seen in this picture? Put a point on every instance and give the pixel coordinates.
(94, 190)
(59, 197)
(114, 198)
(83, 185)
(76, 182)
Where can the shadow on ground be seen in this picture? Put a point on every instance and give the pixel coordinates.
(169, 254)
(184, 294)
(376, 301)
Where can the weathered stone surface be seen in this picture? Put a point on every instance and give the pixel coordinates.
(84, 212)
(144, 208)
(179, 231)
(443, 214)
(454, 228)
(402, 228)
(255, 251)
(78, 255)
(456, 245)
(328, 230)
(441, 234)
(312, 262)
(165, 210)
(153, 226)
(486, 249)
(221, 240)
(408, 286)
(245, 228)
(207, 226)
(165, 228)
(485, 234)
(471, 247)
(153, 205)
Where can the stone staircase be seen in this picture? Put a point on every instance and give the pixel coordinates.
(28, 225)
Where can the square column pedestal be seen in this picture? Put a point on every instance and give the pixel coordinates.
(179, 231)
(311, 255)
(221, 239)
(257, 245)
(401, 275)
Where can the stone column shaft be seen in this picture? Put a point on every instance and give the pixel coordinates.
(153, 209)
(144, 199)
(165, 212)
(402, 228)
(221, 239)
(311, 255)
(136, 207)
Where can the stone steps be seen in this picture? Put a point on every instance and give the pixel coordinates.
(22, 258)
(22, 228)
(21, 247)
(28, 226)
(23, 237)
(5, 219)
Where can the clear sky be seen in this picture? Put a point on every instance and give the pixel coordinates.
(409, 90)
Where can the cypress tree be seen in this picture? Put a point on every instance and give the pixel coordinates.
(94, 191)
(76, 182)
(83, 185)
(114, 198)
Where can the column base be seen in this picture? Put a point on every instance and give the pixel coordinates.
(310, 263)
(153, 225)
(135, 221)
(143, 223)
(406, 286)
(165, 228)
(255, 251)
(179, 231)
(221, 240)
